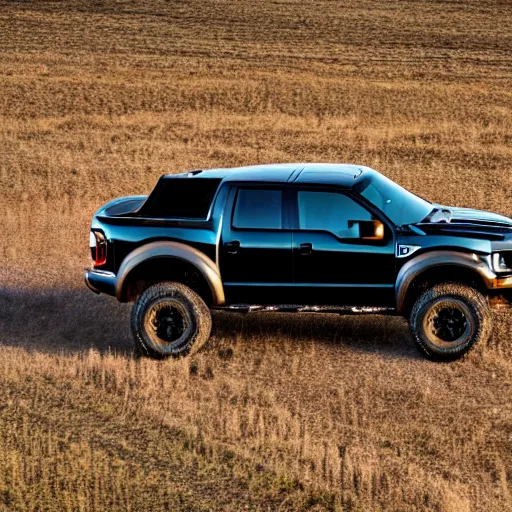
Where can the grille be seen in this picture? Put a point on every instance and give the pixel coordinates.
(507, 256)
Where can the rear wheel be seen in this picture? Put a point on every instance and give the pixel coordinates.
(170, 319)
(447, 320)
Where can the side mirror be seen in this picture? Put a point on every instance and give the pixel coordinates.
(371, 230)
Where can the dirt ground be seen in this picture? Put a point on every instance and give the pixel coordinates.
(280, 412)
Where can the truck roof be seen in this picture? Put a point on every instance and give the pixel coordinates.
(345, 175)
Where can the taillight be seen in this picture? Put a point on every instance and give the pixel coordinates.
(98, 245)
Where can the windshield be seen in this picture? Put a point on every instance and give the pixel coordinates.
(399, 205)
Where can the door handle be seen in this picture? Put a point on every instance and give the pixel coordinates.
(306, 249)
(232, 247)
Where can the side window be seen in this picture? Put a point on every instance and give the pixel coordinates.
(330, 211)
(258, 209)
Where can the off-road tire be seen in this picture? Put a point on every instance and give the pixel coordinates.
(466, 308)
(177, 301)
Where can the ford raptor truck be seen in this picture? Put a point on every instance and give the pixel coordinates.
(329, 238)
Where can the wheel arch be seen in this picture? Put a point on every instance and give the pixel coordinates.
(436, 267)
(150, 263)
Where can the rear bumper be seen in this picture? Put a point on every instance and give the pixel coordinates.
(100, 281)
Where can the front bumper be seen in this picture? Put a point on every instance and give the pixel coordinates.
(100, 281)
(500, 291)
(501, 283)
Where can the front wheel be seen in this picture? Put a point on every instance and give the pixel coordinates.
(447, 320)
(170, 319)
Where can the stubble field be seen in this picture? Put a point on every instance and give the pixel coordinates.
(98, 99)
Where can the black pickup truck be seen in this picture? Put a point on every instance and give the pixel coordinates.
(299, 237)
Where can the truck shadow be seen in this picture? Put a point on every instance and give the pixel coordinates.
(368, 333)
(56, 321)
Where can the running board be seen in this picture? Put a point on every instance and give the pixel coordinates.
(302, 308)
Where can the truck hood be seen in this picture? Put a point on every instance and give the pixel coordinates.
(467, 222)
(121, 206)
(471, 216)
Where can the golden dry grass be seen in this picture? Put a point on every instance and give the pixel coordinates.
(97, 99)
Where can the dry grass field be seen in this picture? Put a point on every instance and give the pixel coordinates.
(99, 98)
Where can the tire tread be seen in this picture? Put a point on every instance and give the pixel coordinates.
(477, 302)
(199, 310)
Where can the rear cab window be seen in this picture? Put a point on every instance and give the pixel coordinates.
(173, 197)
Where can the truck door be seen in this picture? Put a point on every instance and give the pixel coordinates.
(333, 264)
(255, 250)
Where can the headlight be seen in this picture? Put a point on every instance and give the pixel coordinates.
(500, 263)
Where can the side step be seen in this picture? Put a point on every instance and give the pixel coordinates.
(304, 308)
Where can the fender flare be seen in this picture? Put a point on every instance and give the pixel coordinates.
(174, 250)
(426, 261)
